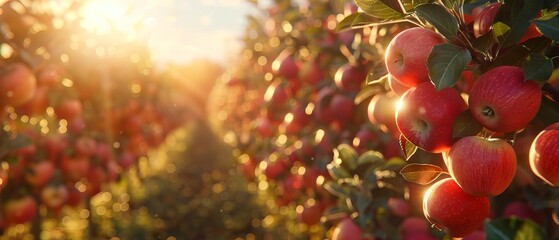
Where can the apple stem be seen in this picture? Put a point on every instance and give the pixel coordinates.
(488, 112)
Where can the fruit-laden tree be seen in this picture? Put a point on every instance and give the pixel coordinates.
(461, 90)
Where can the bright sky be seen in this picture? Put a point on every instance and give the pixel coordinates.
(182, 30)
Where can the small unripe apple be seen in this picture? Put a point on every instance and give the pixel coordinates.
(425, 116)
(451, 209)
(482, 167)
(406, 55)
(544, 155)
(503, 101)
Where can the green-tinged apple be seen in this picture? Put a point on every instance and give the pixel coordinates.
(544, 155)
(503, 101)
(481, 166)
(451, 209)
(406, 55)
(349, 77)
(425, 116)
(17, 84)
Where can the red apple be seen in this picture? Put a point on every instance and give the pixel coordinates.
(503, 101)
(414, 226)
(481, 166)
(74, 168)
(399, 207)
(322, 111)
(521, 209)
(311, 72)
(68, 109)
(544, 155)
(54, 196)
(349, 77)
(311, 213)
(425, 116)
(347, 230)
(343, 108)
(39, 173)
(406, 55)
(451, 209)
(285, 65)
(477, 235)
(37, 105)
(17, 84)
(20, 210)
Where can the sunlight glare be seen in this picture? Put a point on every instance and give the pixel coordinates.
(107, 16)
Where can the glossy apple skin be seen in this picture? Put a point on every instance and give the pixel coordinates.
(502, 101)
(285, 65)
(544, 155)
(406, 55)
(425, 116)
(482, 167)
(17, 84)
(349, 77)
(311, 72)
(451, 209)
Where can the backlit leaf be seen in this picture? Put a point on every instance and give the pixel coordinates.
(379, 9)
(421, 173)
(408, 147)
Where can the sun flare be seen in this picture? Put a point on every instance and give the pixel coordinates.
(108, 16)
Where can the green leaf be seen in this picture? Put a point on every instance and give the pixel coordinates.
(408, 147)
(378, 73)
(516, 54)
(439, 17)
(370, 157)
(421, 173)
(445, 63)
(513, 228)
(549, 25)
(348, 155)
(366, 93)
(465, 125)
(516, 15)
(335, 189)
(484, 43)
(354, 20)
(336, 172)
(538, 67)
(409, 5)
(379, 9)
(499, 28)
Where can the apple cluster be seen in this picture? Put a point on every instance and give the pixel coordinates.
(454, 89)
(71, 122)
